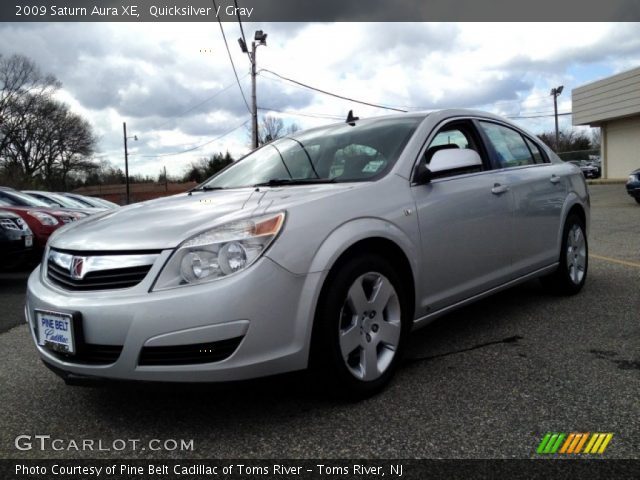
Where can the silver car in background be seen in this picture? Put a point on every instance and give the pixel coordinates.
(323, 249)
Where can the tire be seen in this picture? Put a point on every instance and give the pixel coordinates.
(358, 338)
(637, 199)
(571, 274)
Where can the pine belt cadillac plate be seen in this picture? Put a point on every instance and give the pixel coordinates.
(55, 331)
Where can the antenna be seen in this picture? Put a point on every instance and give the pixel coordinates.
(351, 120)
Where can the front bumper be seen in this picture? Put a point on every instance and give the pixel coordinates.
(267, 308)
(13, 243)
(633, 189)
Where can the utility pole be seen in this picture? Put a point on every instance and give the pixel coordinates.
(260, 38)
(126, 160)
(166, 181)
(126, 157)
(254, 104)
(556, 93)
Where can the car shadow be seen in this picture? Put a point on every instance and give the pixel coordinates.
(290, 395)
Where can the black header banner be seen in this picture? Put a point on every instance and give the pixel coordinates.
(318, 10)
(232, 469)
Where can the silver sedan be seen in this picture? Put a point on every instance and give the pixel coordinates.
(323, 250)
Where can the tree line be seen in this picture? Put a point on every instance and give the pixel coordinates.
(573, 144)
(42, 142)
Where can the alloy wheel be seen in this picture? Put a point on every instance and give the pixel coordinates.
(370, 326)
(576, 254)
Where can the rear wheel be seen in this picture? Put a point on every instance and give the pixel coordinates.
(571, 274)
(361, 327)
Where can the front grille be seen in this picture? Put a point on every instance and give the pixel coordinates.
(189, 354)
(9, 224)
(98, 280)
(98, 270)
(92, 354)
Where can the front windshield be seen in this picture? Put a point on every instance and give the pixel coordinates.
(18, 199)
(338, 153)
(66, 201)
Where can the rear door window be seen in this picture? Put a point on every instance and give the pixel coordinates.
(538, 156)
(509, 145)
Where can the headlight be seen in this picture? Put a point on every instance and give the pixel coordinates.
(43, 218)
(219, 252)
(632, 178)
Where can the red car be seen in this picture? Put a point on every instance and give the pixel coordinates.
(41, 219)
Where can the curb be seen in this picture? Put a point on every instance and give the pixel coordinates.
(607, 181)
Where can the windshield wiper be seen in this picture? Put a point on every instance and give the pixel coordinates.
(274, 182)
(205, 189)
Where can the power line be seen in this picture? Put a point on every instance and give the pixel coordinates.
(244, 39)
(330, 93)
(404, 109)
(311, 115)
(197, 146)
(200, 103)
(224, 37)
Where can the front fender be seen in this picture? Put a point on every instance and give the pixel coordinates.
(347, 234)
(336, 244)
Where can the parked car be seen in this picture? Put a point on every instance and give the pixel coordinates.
(16, 240)
(633, 184)
(588, 169)
(91, 201)
(42, 219)
(596, 163)
(57, 200)
(323, 249)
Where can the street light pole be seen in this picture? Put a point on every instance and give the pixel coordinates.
(556, 93)
(126, 157)
(126, 160)
(254, 104)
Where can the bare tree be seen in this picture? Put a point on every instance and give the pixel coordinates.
(75, 144)
(271, 128)
(20, 81)
(41, 140)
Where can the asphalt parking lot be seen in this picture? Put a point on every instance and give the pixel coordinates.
(486, 381)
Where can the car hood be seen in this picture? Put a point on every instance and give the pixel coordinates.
(7, 214)
(51, 211)
(166, 222)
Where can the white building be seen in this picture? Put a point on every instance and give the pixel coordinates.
(613, 104)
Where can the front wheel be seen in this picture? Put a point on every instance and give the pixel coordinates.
(361, 326)
(571, 274)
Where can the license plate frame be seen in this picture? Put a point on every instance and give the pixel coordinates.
(55, 331)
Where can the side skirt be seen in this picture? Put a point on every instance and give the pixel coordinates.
(425, 320)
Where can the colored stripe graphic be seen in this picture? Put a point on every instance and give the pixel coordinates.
(572, 443)
(581, 443)
(598, 443)
(551, 442)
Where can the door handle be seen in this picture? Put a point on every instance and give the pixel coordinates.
(499, 189)
(554, 178)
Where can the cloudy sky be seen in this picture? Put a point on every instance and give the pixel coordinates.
(173, 84)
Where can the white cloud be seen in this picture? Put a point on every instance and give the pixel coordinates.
(149, 74)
